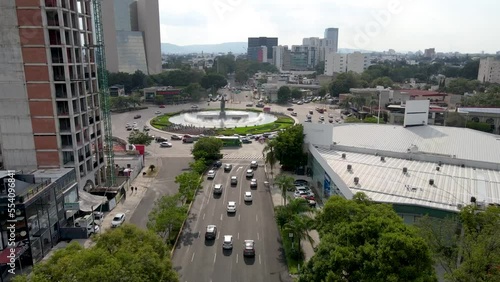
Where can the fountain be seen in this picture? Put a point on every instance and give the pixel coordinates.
(223, 119)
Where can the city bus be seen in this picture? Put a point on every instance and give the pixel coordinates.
(230, 141)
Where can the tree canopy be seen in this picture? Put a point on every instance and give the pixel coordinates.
(167, 215)
(122, 254)
(467, 246)
(137, 137)
(288, 147)
(489, 99)
(207, 148)
(284, 93)
(213, 80)
(364, 241)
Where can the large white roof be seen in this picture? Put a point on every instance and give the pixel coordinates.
(386, 182)
(459, 143)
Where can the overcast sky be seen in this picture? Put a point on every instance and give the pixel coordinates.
(403, 25)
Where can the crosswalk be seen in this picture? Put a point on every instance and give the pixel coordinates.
(243, 156)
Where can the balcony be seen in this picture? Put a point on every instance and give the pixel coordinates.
(38, 186)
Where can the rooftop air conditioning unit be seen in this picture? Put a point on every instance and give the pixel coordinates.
(460, 206)
(382, 159)
(437, 168)
(431, 182)
(356, 180)
(343, 155)
(349, 167)
(405, 170)
(472, 199)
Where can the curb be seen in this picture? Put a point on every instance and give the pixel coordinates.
(184, 222)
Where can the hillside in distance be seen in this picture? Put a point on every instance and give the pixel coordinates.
(226, 47)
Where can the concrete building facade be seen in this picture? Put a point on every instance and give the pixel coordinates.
(339, 63)
(132, 36)
(281, 58)
(50, 113)
(489, 70)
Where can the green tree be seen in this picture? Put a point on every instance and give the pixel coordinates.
(489, 99)
(283, 94)
(344, 82)
(462, 85)
(167, 216)
(241, 77)
(466, 246)
(288, 147)
(194, 91)
(137, 137)
(322, 92)
(159, 99)
(382, 81)
(361, 241)
(189, 182)
(122, 253)
(199, 166)
(216, 81)
(269, 155)
(296, 93)
(207, 148)
(299, 225)
(285, 183)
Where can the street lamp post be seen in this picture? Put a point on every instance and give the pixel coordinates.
(378, 115)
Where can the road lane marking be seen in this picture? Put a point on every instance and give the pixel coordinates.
(238, 236)
(189, 246)
(239, 168)
(236, 258)
(192, 257)
(256, 218)
(220, 216)
(203, 216)
(218, 236)
(258, 238)
(215, 256)
(239, 216)
(260, 262)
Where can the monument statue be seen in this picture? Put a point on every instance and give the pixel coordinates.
(223, 107)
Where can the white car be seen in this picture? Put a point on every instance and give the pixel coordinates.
(300, 193)
(253, 183)
(231, 207)
(165, 144)
(249, 173)
(194, 107)
(248, 197)
(118, 220)
(157, 113)
(253, 164)
(227, 244)
(211, 174)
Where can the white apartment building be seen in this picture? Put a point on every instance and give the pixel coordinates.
(340, 63)
(281, 58)
(489, 70)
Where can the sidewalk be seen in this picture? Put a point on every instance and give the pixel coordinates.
(128, 204)
(307, 247)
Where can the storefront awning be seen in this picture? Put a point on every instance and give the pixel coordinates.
(88, 201)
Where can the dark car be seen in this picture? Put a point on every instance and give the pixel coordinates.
(228, 167)
(260, 105)
(234, 181)
(311, 112)
(217, 164)
(249, 105)
(211, 232)
(290, 109)
(160, 139)
(246, 140)
(137, 116)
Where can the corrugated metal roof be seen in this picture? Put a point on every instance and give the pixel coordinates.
(480, 110)
(462, 143)
(386, 182)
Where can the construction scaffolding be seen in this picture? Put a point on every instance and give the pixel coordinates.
(102, 77)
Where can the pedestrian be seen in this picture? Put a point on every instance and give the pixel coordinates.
(135, 188)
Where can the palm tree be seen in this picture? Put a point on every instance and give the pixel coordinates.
(285, 183)
(299, 225)
(269, 155)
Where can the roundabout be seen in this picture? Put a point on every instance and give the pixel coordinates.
(222, 122)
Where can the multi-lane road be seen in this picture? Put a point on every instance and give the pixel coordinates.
(198, 260)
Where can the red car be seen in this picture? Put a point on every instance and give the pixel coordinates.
(162, 106)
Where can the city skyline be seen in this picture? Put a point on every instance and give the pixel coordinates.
(371, 25)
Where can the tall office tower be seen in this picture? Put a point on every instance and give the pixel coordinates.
(50, 112)
(255, 44)
(281, 58)
(333, 34)
(132, 35)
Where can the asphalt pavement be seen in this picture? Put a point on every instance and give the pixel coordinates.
(196, 259)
